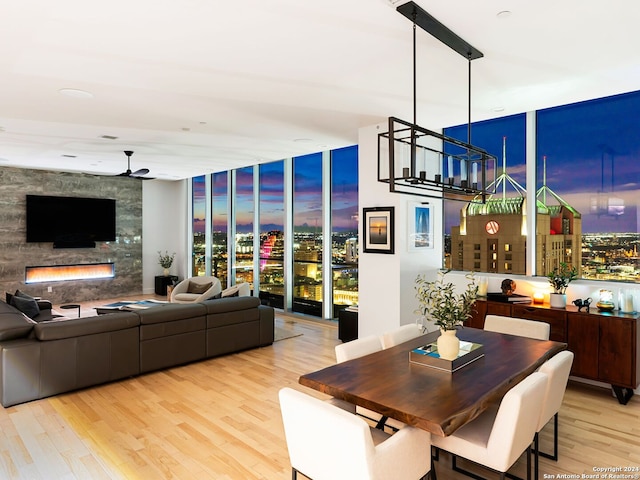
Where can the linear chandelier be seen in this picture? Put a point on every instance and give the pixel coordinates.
(418, 161)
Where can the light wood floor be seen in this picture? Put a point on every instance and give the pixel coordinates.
(220, 419)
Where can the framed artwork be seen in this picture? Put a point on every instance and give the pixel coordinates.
(378, 229)
(420, 222)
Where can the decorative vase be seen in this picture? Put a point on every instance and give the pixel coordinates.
(448, 344)
(166, 272)
(558, 300)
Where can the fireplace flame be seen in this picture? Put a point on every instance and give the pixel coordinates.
(58, 273)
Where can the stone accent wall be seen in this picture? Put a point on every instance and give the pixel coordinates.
(16, 254)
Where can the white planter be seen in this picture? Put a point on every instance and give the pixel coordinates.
(448, 344)
(558, 300)
(166, 272)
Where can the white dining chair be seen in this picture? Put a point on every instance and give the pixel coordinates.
(401, 335)
(517, 326)
(498, 437)
(356, 349)
(327, 443)
(557, 368)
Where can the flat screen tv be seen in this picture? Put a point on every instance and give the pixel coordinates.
(70, 222)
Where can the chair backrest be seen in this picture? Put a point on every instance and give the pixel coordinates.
(357, 348)
(516, 421)
(325, 442)
(517, 326)
(557, 368)
(400, 335)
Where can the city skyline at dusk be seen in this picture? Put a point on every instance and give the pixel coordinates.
(592, 155)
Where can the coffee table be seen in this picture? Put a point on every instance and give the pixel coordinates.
(128, 306)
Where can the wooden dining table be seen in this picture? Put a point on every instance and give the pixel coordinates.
(428, 398)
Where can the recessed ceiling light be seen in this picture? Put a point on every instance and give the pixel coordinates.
(185, 129)
(75, 93)
(302, 140)
(498, 109)
(504, 14)
(108, 137)
(69, 156)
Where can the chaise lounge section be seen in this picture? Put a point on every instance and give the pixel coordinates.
(38, 360)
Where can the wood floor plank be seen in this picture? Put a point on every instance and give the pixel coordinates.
(220, 419)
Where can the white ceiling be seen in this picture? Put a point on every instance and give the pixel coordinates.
(197, 86)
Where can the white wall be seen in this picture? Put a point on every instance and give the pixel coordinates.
(164, 223)
(386, 282)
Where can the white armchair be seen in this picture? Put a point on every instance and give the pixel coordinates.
(327, 443)
(496, 439)
(195, 289)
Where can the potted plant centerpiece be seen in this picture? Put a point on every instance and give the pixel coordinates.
(559, 279)
(439, 303)
(165, 260)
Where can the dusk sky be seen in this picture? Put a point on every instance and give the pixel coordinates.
(583, 143)
(307, 173)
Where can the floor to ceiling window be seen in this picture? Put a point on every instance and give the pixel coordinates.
(198, 205)
(244, 208)
(289, 199)
(588, 158)
(219, 227)
(344, 225)
(490, 237)
(272, 233)
(307, 234)
(587, 186)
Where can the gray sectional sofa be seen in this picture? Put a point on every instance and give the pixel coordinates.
(38, 360)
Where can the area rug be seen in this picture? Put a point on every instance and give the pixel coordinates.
(282, 334)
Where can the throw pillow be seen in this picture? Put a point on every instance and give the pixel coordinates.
(27, 306)
(23, 295)
(198, 287)
(216, 296)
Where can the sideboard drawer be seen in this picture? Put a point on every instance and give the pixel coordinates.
(556, 318)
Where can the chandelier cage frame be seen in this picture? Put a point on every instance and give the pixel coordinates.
(412, 159)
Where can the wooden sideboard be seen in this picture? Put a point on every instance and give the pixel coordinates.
(605, 344)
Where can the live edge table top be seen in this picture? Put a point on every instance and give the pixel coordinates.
(434, 400)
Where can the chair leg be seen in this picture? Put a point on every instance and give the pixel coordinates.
(294, 474)
(456, 468)
(554, 455)
(381, 422)
(536, 454)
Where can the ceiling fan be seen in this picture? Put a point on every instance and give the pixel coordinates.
(138, 173)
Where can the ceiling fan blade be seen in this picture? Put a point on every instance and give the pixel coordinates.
(139, 173)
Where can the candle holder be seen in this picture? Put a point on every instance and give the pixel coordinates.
(605, 304)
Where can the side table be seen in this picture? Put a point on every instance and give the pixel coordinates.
(163, 281)
(70, 306)
(347, 325)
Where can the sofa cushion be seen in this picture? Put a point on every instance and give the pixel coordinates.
(28, 306)
(185, 297)
(230, 304)
(77, 327)
(198, 288)
(13, 323)
(169, 312)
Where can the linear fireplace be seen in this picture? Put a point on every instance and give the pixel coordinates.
(56, 273)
